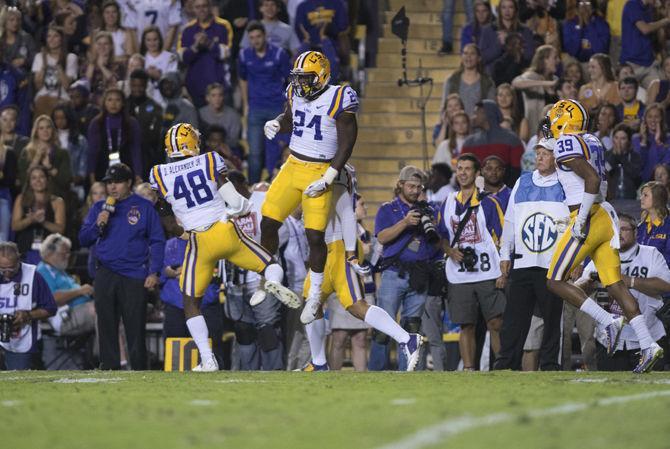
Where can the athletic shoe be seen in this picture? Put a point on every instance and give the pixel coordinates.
(207, 365)
(257, 298)
(648, 358)
(310, 367)
(612, 333)
(412, 350)
(284, 294)
(309, 313)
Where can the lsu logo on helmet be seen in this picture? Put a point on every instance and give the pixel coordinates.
(182, 140)
(310, 74)
(565, 117)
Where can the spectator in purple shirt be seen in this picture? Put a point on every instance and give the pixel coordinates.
(113, 136)
(492, 38)
(587, 33)
(262, 69)
(204, 46)
(653, 141)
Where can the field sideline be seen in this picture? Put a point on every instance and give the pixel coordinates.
(334, 410)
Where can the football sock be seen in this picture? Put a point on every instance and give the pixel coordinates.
(642, 332)
(315, 281)
(592, 309)
(198, 329)
(382, 321)
(316, 336)
(274, 273)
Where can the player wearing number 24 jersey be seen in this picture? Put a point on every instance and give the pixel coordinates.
(202, 200)
(322, 122)
(593, 230)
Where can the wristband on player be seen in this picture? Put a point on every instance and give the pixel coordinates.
(587, 202)
(330, 175)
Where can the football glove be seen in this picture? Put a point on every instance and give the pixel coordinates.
(577, 229)
(318, 187)
(362, 270)
(271, 129)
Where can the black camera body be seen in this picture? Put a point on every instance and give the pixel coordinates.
(470, 258)
(426, 225)
(6, 322)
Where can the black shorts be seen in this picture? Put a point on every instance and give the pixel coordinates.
(464, 300)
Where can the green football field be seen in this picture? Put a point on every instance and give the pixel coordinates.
(40, 410)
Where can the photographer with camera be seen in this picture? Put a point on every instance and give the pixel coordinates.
(532, 228)
(406, 229)
(646, 274)
(25, 299)
(471, 226)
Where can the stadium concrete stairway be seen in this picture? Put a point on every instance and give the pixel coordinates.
(389, 135)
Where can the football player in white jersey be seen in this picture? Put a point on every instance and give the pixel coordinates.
(593, 230)
(322, 120)
(195, 187)
(343, 276)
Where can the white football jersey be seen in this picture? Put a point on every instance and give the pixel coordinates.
(314, 131)
(139, 14)
(586, 146)
(190, 186)
(640, 261)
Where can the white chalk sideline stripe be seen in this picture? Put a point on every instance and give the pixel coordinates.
(440, 432)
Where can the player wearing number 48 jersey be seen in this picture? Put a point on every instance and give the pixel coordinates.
(195, 188)
(593, 230)
(322, 120)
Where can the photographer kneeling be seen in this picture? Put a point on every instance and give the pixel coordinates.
(406, 229)
(471, 226)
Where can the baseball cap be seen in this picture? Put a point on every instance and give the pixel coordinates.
(118, 173)
(547, 144)
(408, 172)
(82, 86)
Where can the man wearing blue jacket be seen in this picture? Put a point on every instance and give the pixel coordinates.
(129, 242)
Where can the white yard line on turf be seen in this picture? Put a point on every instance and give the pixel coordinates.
(440, 432)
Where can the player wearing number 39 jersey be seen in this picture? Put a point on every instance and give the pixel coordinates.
(322, 122)
(593, 230)
(202, 201)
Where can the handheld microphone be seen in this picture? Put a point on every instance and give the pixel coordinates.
(109, 206)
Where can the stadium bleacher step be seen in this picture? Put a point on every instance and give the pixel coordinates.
(419, 5)
(418, 31)
(400, 150)
(414, 46)
(389, 119)
(415, 60)
(390, 131)
(381, 165)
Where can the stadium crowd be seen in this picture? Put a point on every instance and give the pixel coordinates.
(89, 88)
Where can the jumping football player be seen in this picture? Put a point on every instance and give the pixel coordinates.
(324, 129)
(342, 276)
(195, 187)
(593, 231)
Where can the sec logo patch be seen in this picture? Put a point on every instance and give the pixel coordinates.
(539, 232)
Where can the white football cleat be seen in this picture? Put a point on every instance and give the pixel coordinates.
(312, 307)
(284, 294)
(207, 365)
(257, 298)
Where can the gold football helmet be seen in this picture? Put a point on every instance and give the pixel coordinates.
(565, 117)
(182, 140)
(310, 74)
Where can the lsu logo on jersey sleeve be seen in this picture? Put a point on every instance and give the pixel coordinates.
(314, 130)
(191, 187)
